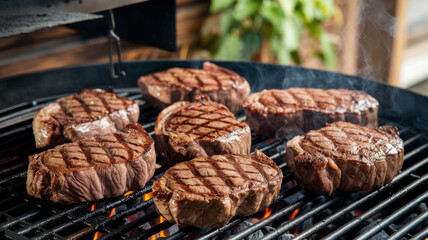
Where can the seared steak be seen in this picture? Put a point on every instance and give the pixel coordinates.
(82, 116)
(297, 110)
(345, 156)
(203, 128)
(182, 84)
(207, 192)
(90, 170)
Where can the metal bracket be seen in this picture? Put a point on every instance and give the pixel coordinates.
(113, 37)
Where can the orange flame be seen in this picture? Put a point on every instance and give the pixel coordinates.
(112, 212)
(294, 214)
(267, 213)
(97, 235)
(93, 207)
(153, 237)
(148, 196)
(162, 233)
(128, 193)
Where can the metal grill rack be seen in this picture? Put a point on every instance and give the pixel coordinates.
(295, 214)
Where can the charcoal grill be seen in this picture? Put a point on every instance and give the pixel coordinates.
(396, 211)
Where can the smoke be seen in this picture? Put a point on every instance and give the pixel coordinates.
(375, 31)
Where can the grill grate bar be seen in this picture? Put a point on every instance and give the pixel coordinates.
(13, 168)
(410, 226)
(400, 194)
(277, 216)
(421, 235)
(283, 229)
(125, 228)
(55, 217)
(360, 201)
(99, 211)
(13, 177)
(12, 222)
(397, 214)
(284, 211)
(188, 230)
(153, 230)
(127, 212)
(415, 152)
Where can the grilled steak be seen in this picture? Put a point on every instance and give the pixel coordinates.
(297, 110)
(203, 128)
(182, 84)
(207, 192)
(345, 156)
(90, 170)
(82, 116)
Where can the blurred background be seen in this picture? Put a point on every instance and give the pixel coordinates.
(385, 40)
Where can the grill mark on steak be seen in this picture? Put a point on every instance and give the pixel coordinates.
(106, 150)
(120, 139)
(196, 76)
(104, 102)
(64, 157)
(200, 135)
(85, 152)
(83, 105)
(202, 179)
(239, 169)
(219, 172)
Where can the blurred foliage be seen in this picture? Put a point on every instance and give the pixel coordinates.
(245, 26)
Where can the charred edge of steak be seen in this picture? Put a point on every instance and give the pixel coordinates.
(176, 145)
(297, 110)
(179, 202)
(345, 157)
(180, 84)
(90, 170)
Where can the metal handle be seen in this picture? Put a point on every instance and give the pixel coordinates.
(112, 35)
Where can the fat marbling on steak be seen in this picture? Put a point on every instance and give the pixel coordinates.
(207, 192)
(294, 111)
(202, 128)
(346, 157)
(82, 116)
(90, 170)
(222, 85)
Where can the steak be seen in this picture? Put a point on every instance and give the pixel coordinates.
(182, 84)
(207, 192)
(203, 128)
(90, 170)
(346, 157)
(83, 116)
(297, 110)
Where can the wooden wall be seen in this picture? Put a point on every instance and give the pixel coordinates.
(60, 46)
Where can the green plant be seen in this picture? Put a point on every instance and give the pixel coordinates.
(247, 25)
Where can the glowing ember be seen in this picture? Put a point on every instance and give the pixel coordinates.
(97, 235)
(128, 193)
(358, 212)
(294, 214)
(148, 196)
(112, 212)
(267, 213)
(93, 207)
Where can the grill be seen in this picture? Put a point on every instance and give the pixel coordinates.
(395, 211)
